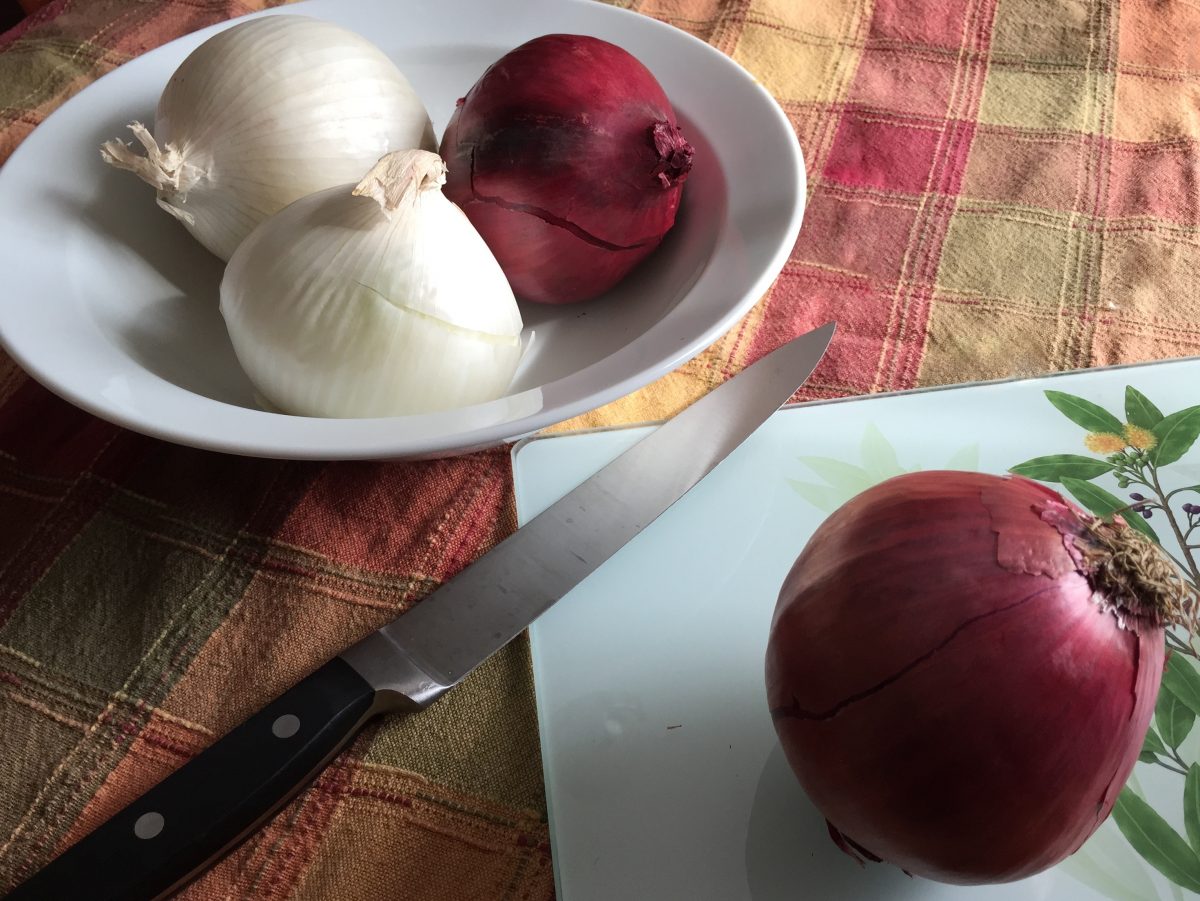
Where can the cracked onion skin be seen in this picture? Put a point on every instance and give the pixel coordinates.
(951, 695)
(567, 158)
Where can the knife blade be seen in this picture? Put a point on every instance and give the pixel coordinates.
(192, 818)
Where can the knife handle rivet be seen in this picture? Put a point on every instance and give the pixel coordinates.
(149, 824)
(285, 726)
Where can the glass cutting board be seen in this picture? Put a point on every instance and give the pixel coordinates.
(665, 779)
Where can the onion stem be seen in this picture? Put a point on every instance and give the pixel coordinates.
(1187, 549)
(1188, 563)
(1176, 560)
(1169, 766)
(1178, 644)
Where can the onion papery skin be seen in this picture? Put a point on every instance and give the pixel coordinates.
(948, 690)
(271, 110)
(567, 157)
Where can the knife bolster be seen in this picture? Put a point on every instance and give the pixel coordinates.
(400, 683)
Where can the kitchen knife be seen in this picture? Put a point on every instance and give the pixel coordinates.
(190, 819)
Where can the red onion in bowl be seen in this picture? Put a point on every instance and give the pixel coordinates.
(567, 159)
(962, 668)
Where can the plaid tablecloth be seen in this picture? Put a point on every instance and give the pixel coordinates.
(996, 189)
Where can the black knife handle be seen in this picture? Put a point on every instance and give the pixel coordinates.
(166, 837)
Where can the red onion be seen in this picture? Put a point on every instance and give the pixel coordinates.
(567, 159)
(962, 669)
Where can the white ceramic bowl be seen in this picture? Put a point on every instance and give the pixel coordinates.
(111, 304)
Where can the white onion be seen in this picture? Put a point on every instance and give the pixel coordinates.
(375, 300)
(264, 113)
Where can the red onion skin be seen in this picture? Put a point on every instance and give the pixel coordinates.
(945, 688)
(553, 157)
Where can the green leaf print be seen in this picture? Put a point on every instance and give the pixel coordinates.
(1104, 504)
(1084, 413)
(1191, 806)
(1153, 838)
(1176, 434)
(1173, 718)
(1139, 410)
(1056, 467)
(1181, 679)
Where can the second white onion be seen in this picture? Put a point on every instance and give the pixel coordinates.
(375, 300)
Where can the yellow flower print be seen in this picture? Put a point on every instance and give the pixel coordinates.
(1136, 436)
(1104, 442)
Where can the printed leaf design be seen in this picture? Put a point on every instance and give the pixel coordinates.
(1173, 718)
(1181, 679)
(1153, 744)
(823, 497)
(1109, 865)
(843, 480)
(1191, 806)
(965, 458)
(1139, 410)
(1153, 838)
(849, 478)
(1056, 467)
(878, 455)
(1104, 504)
(1084, 413)
(1176, 434)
